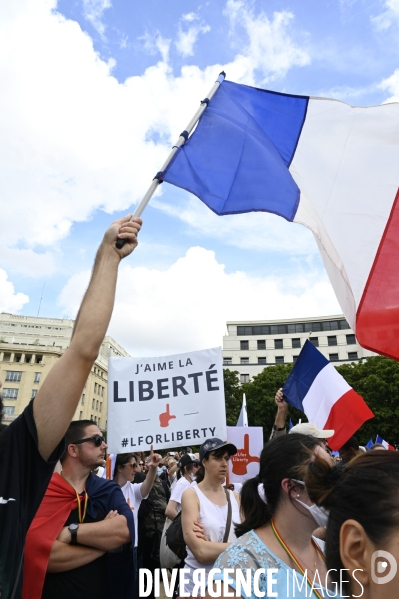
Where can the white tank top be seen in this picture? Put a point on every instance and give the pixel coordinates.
(213, 518)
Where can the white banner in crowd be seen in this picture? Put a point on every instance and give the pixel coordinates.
(172, 401)
(249, 443)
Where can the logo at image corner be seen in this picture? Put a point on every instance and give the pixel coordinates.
(379, 567)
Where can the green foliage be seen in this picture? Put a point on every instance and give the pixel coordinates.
(376, 379)
(233, 396)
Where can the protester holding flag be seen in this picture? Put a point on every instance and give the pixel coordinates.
(279, 520)
(216, 509)
(362, 499)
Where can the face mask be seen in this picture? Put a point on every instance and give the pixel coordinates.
(159, 471)
(192, 476)
(319, 514)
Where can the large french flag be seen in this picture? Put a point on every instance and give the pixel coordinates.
(317, 389)
(315, 161)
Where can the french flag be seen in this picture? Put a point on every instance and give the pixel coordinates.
(317, 162)
(382, 441)
(317, 389)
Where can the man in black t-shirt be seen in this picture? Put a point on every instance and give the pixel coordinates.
(31, 445)
(80, 519)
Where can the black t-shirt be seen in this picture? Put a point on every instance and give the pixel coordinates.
(24, 477)
(88, 582)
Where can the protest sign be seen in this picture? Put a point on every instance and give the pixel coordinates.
(170, 401)
(249, 443)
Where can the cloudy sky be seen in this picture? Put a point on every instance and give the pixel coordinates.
(93, 95)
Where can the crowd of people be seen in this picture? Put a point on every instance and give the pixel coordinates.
(308, 525)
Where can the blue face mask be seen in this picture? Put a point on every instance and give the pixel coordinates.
(159, 471)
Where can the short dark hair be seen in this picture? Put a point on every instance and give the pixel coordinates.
(280, 458)
(76, 431)
(352, 443)
(366, 490)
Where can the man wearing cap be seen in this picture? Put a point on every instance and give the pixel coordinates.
(304, 428)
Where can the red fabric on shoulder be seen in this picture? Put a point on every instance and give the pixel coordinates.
(59, 500)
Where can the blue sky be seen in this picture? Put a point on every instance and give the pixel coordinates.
(94, 94)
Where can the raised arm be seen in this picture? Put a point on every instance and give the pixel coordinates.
(151, 474)
(279, 422)
(56, 401)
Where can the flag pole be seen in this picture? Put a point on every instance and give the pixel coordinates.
(184, 135)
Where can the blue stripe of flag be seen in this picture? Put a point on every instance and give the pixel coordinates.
(237, 159)
(308, 365)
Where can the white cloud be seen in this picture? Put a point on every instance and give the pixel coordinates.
(186, 40)
(9, 300)
(93, 11)
(391, 86)
(388, 17)
(74, 139)
(270, 48)
(190, 17)
(155, 43)
(185, 307)
(252, 231)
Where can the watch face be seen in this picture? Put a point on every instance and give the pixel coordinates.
(73, 527)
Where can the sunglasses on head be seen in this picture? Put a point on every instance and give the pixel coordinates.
(98, 440)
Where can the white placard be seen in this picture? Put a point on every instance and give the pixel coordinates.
(171, 401)
(249, 442)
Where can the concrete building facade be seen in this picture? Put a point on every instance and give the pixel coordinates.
(251, 346)
(30, 346)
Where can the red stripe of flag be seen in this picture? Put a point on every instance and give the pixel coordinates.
(346, 417)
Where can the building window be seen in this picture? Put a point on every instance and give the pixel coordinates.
(296, 343)
(333, 357)
(97, 405)
(227, 361)
(352, 355)
(33, 394)
(314, 341)
(261, 344)
(244, 330)
(37, 377)
(13, 375)
(102, 391)
(39, 360)
(8, 409)
(244, 360)
(7, 357)
(17, 357)
(278, 344)
(83, 399)
(279, 359)
(261, 360)
(101, 406)
(95, 387)
(99, 422)
(332, 340)
(294, 358)
(350, 339)
(244, 378)
(10, 393)
(244, 344)
(28, 358)
(92, 404)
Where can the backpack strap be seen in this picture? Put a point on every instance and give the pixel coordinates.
(228, 521)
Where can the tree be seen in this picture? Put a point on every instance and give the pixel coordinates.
(233, 396)
(260, 393)
(376, 379)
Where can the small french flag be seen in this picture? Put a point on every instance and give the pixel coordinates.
(382, 441)
(317, 389)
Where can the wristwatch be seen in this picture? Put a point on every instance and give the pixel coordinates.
(73, 529)
(276, 428)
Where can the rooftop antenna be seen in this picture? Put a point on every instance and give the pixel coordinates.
(40, 303)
